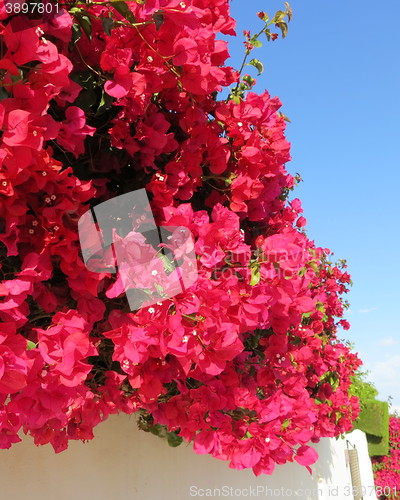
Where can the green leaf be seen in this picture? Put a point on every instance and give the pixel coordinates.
(236, 99)
(173, 439)
(285, 424)
(256, 43)
(17, 78)
(85, 23)
(332, 378)
(168, 265)
(258, 65)
(105, 103)
(76, 33)
(159, 288)
(289, 11)
(302, 271)
(285, 117)
(3, 94)
(158, 430)
(230, 179)
(255, 275)
(249, 80)
(292, 360)
(279, 16)
(247, 436)
(283, 27)
(30, 345)
(123, 9)
(108, 25)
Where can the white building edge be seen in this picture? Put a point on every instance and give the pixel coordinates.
(123, 463)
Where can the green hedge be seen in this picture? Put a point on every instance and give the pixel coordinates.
(378, 446)
(374, 421)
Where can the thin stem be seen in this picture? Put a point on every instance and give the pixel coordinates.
(247, 53)
(171, 68)
(88, 65)
(216, 188)
(41, 316)
(62, 150)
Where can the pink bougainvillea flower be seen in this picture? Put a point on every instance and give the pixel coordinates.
(74, 130)
(244, 363)
(124, 81)
(305, 455)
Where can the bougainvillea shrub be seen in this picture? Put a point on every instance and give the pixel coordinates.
(387, 468)
(105, 99)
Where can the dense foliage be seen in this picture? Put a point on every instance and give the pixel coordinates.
(107, 98)
(373, 418)
(362, 388)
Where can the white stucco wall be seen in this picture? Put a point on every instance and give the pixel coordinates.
(332, 473)
(123, 463)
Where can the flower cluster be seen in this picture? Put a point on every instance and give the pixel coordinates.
(246, 363)
(387, 468)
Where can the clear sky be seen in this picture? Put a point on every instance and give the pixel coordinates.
(338, 76)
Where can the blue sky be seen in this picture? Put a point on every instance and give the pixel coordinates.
(338, 76)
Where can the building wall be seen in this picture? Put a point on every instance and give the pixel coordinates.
(123, 463)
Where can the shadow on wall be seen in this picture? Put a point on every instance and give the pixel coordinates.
(325, 465)
(123, 463)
